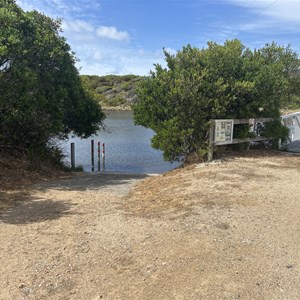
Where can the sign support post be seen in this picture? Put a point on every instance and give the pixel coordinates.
(211, 141)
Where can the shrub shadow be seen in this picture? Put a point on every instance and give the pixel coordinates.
(27, 209)
(91, 181)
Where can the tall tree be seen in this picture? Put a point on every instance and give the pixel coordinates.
(41, 95)
(220, 81)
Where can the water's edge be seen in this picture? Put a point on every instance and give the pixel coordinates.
(127, 148)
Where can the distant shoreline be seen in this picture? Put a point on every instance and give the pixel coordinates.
(116, 108)
(129, 108)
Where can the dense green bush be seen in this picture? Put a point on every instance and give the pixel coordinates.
(41, 94)
(218, 82)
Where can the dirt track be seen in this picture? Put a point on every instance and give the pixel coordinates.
(229, 230)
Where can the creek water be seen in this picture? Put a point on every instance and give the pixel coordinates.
(127, 147)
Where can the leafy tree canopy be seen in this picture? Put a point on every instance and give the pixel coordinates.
(220, 81)
(41, 95)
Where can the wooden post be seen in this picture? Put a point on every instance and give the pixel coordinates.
(103, 156)
(92, 155)
(72, 156)
(211, 141)
(99, 154)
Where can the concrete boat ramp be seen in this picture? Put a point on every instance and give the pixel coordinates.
(294, 147)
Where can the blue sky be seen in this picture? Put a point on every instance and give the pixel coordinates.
(127, 36)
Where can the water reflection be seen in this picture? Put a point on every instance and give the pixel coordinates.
(127, 147)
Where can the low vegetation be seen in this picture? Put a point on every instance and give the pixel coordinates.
(113, 91)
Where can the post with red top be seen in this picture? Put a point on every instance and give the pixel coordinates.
(103, 156)
(99, 154)
(92, 155)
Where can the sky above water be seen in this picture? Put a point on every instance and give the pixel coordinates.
(128, 36)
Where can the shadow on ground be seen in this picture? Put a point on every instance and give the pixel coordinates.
(27, 209)
(21, 207)
(92, 181)
(294, 146)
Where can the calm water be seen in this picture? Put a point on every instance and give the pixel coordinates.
(128, 147)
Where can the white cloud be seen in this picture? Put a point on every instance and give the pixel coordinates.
(77, 26)
(171, 51)
(78, 32)
(62, 8)
(112, 33)
(100, 49)
(118, 61)
(98, 55)
(266, 19)
(97, 69)
(26, 5)
(286, 10)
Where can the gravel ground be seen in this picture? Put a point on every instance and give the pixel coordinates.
(226, 230)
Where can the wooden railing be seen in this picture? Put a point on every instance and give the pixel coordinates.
(221, 132)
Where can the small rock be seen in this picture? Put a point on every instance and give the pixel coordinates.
(22, 285)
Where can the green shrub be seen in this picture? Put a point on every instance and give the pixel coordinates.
(218, 82)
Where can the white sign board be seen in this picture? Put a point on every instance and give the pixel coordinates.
(251, 125)
(223, 132)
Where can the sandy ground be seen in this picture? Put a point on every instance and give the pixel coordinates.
(227, 230)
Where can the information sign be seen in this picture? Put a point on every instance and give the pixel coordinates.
(223, 132)
(251, 125)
